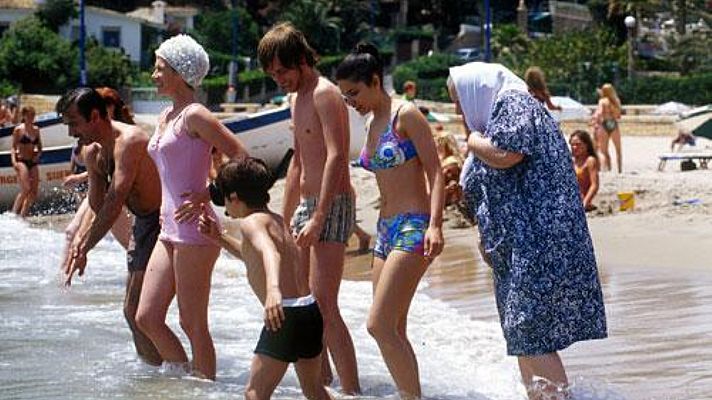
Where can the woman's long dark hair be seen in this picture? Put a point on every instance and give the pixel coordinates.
(587, 141)
(360, 66)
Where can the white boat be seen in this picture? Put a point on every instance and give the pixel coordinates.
(266, 135)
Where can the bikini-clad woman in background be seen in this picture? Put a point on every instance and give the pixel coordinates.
(605, 122)
(25, 156)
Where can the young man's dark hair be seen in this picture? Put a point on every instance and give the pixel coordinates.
(249, 178)
(86, 99)
(288, 44)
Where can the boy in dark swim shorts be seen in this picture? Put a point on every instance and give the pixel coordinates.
(293, 323)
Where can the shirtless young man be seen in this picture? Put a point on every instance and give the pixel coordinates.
(120, 173)
(293, 327)
(317, 198)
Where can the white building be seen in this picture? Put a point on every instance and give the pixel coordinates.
(131, 32)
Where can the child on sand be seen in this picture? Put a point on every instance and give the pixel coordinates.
(293, 323)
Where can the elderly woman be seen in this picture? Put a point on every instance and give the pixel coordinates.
(519, 180)
(182, 262)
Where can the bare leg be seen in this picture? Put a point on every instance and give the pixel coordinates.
(265, 374)
(193, 267)
(603, 153)
(327, 375)
(144, 347)
(616, 137)
(394, 284)
(327, 267)
(364, 239)
(546, 366)
(23, 178)
(33, 185)
(122, 228)
(309, 373)
(157, 293)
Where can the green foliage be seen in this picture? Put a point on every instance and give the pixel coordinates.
(215, 29)
(429, 73)
(107, 67)
(690, 53)
(509, 44)
(575, 63)
(55, 13)
(39, 61)
(694, 90)
(314, 19)
(7, 88)
(36, 58)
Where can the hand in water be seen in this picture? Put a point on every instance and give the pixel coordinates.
(76, 261)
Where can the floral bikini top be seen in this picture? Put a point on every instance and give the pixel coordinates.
(391, 150)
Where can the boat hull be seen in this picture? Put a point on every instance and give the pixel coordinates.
(267, 135)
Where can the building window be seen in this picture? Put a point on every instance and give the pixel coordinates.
(111, 36)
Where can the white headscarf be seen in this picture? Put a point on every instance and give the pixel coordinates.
(187, 57)
(477, 85)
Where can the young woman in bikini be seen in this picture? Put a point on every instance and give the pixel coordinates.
(25, 156)
(401, 152)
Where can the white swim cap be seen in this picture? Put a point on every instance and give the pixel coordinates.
(187, 57)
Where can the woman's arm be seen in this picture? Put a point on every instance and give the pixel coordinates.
(494, 157)
(39, 143)
(201, 122)
(417, 129)
(15, 140)
(592, 167)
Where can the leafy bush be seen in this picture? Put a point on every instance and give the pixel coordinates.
(429, 73)
(36, 58)
(694, 90)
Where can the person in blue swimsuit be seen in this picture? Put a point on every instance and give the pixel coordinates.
(400, 150)
(520, 183)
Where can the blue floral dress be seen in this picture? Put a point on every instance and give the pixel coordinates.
(533, 228)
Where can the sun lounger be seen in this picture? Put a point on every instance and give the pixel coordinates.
(703, 158)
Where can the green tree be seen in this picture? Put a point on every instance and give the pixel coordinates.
(509, 44)
(55, 13)
(214, 28)
(106, 67)
(34, 57)
(312, 17)
(690, 53)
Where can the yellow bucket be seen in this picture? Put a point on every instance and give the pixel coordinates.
(626, 201)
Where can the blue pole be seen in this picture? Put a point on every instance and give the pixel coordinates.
(488, 31)
(82, 39)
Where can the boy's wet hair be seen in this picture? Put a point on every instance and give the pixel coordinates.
(86, 99)
(288, 44)
(360, 66)
(249, 178)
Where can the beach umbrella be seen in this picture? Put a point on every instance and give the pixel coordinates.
(698, 122)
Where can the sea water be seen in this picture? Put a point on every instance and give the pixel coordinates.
(73, 343)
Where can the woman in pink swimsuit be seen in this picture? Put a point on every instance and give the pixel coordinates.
(182, 262)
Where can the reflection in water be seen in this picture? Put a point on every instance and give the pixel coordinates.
(75, 344)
